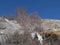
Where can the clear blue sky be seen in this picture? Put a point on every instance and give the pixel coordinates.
(45, 8)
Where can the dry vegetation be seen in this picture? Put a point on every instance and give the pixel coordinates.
(25, 39)
(31, 22)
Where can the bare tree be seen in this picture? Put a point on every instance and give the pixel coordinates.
(29, 21)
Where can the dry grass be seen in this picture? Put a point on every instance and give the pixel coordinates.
(25, 39)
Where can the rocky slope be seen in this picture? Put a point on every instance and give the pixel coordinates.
(10, 27)
(51, 25)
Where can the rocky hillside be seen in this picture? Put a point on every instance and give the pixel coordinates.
(51, 25)
(10, 27)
